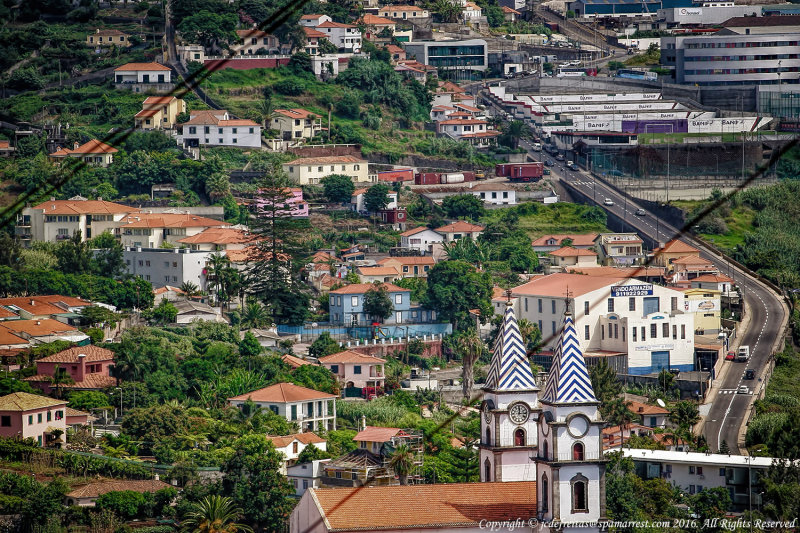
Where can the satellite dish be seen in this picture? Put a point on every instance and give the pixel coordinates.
(660, 402)
(314, 324)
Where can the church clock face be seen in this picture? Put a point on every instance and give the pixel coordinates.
(578, 426)
(487, 412)
(518, 413)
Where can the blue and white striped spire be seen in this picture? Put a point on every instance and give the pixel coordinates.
(568, 380)
(509, 369)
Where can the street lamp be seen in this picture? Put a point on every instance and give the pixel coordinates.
(120, 400)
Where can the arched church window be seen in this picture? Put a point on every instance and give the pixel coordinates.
(545, 450)
(488, 437)
(487, 470)
(579, 488)
(545, 493)
(519, 437)
(577, 451)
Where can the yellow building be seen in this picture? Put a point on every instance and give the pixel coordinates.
(102, 38)
(159, 112)
(295, 124)
(704, 305)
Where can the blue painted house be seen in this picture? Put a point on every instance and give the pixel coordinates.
(347, 306)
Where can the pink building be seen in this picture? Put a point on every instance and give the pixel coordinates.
(88, 366)
(356, 369)
(28, 416)
(295, 204)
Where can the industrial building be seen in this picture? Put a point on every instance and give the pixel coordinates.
(458, 60)
(772, 57)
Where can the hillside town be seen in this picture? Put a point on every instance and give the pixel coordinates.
(449, 265)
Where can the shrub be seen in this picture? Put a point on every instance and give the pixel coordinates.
(290, 87)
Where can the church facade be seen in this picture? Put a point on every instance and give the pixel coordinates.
(541, 450)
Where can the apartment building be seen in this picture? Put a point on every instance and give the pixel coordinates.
(311, 410)
(152, 230)
(217, 128)
(57, 220)
(311, 170)
(168, 267)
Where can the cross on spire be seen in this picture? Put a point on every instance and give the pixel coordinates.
(568, 297)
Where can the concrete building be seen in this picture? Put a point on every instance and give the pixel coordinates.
(704, 305)
(706, 15)
(190, 311)
(718, 282)
(143, 77)
(152, 230)
(159, 112)
(345, 37)
(29, 416)
(356, 369)
(421, 239)
(570, 257)
(311, 170)
(94, 152)
(305, 476)
(550, 243)
(358, 205)
(168, 267)
(459, 229)
(619, 249)
(43, 331)
(311, 410)
(381, 274)
(58, 220)
(617, 8)
(770, 57)
(296, 124)
(347, 305)
(291, 446)
(647, 322)
(494, 193)
(216, 128)
(460, 60)
(255, 42)
(219, 239)
(313, 37)
(105, 38)
(694, 472)
(411, 266)
(402, 12)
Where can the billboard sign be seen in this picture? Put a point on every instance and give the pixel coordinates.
(621, 291)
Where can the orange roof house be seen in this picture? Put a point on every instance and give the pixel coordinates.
(93, 152)
(549, 243)
(311, 410)
(458, 229)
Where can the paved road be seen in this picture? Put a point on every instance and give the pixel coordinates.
(767, 313)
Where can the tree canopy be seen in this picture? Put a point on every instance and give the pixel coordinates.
(455, 288)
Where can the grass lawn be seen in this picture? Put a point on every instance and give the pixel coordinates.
(739, 222)
(555, 218)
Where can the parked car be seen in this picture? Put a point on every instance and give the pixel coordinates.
(546, 172)
(608, 201)
(749, 374)
(730, 356)
(560, 157)
(641, 212)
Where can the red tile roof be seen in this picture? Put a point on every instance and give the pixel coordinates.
(409, 260)
(325, 160)
(220, 235)
(141, 66)
(292, 361)
(32, 305)
(350, 356)
(90, 381)
(373, 20)
(361, 288)
(283, 393)
(645, 409)
(555, 285)
(311, 32)
(296, 113)
(146, 113)
(377, 271)
(9, 339)
(84, 207)
(306, 438)
(331, 24)
(460, 226)
(377, 434)
(23, 401)
(507, 9)
(70, 355)
(169, 220)
(414, 231)
(462, 121)
(713, 278)
(92, 147)
(37, 328)
(692, 260)
(677, 247)
(577, 240)
(569, 251)
(439, 506)
(158, 100)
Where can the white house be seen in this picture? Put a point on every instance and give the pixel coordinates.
(345, 37)
(421, 238)
(304, 476)
(216, 128)
(143, 76)
(164, 267)
(291, 446)
(357, 200)
(471, 11)
(645, 321)
(719, 282)
(494, 193)
(311, 410)
(311, 170)
(404, 12)
(57, 220)
(151, 230)
(314, 20)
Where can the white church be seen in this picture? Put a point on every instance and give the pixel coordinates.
(540, 454)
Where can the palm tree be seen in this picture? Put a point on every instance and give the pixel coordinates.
(214, 514)
(515, 131)
(530, 333)
(622, 416)
(685, 415)
(118, 452)
(266, 108)
(60, 378)
(402, 462)
(255, 316)
(470, 346)
(190, 289)
(216, 264)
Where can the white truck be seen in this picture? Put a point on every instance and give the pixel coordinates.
(743, 354)
(537, 147)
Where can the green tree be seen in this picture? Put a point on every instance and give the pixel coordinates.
(466, 206)
(164, 313)
(324, 345)
(255, 315)
(418, 287)
(666, 380)
(108, 255)
(191, 290)
(89, 400)
(10, 251)
(448, 10)
(249, 346)
(127, 504)
(311, 453)
(214, 514)
(60, 378)
(252, 478)
(455, 288)
(74, 255)
(338, 188)
(685, 415)
(607, 387)
(402, 462)
(710, 504)
(209, 28)
(327, 47)
(470, 347)
(376, 197)
(531, 335)
(513, 133)
(377, 303)
(620, 414)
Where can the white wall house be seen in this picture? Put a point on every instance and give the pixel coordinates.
(345, 37)
(304, 476)
(645, 321)
(311, 410)
(57, 220)
(162, 266)
(311, 170)
(421, 238)
(141, 77)
(216, 128)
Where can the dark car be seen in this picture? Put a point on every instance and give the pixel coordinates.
(548, 162)
(560, 157)
(749, 374)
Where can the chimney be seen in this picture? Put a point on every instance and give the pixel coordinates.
(81, 367)
(52, 198)
(32, 302)
(99, 198)
(38, 322)
(156, 477)
(363, 422)
(641, 409)
(75, 146)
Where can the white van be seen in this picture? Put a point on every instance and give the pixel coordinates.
(537, 147)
